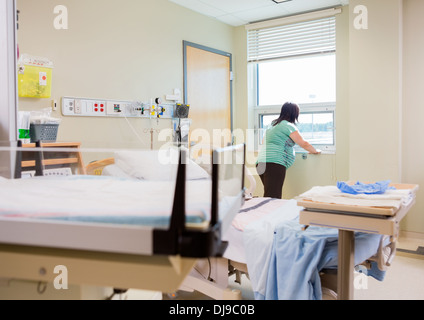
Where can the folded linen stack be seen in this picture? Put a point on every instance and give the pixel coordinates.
(391, 198)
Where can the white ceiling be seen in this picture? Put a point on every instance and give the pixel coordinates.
(241, 12)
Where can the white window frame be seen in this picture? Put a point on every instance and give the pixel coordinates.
(304, 108)
(258, 111)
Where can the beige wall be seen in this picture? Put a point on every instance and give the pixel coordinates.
(385, 107)
(126, 50)
(375, 85)
(413, 109)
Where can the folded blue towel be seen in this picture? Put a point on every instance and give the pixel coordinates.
(359, 187)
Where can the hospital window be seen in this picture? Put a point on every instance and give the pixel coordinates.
(296, 63)
(317, 127)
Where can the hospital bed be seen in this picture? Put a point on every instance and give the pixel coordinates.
(117, 232)
(209, 275)
(251, 239)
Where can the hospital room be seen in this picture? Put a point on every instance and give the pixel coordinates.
(133, 135)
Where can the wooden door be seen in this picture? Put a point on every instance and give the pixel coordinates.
(207, 89)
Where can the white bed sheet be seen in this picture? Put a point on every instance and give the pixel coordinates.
(235, 250)
(264, 211)
(101, 199)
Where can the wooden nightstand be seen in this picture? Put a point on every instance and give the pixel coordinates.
(58, 155)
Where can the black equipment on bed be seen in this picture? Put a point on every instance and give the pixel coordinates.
(180, 240)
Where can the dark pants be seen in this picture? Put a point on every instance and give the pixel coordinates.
(272, 176)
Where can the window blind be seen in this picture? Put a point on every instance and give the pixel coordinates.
(316, 36)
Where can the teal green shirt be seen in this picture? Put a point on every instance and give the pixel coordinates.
(278, 147)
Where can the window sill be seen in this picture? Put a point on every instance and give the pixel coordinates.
(330, 152)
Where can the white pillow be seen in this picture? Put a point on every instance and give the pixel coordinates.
(204, 161)
(113, 170)
(194, 171)
(159, 165)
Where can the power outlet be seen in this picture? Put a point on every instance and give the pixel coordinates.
(57, 172)
(68, 106)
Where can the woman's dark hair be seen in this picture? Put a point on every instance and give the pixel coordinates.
(289, 112)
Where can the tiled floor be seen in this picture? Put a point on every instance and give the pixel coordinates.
(404, 279)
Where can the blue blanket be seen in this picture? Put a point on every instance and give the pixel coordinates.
(298, 256)
(284, 261)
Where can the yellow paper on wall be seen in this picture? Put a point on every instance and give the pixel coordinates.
(34, 77)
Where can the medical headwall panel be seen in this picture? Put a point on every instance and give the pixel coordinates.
(88, 107)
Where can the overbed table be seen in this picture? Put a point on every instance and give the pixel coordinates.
(349, 219)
